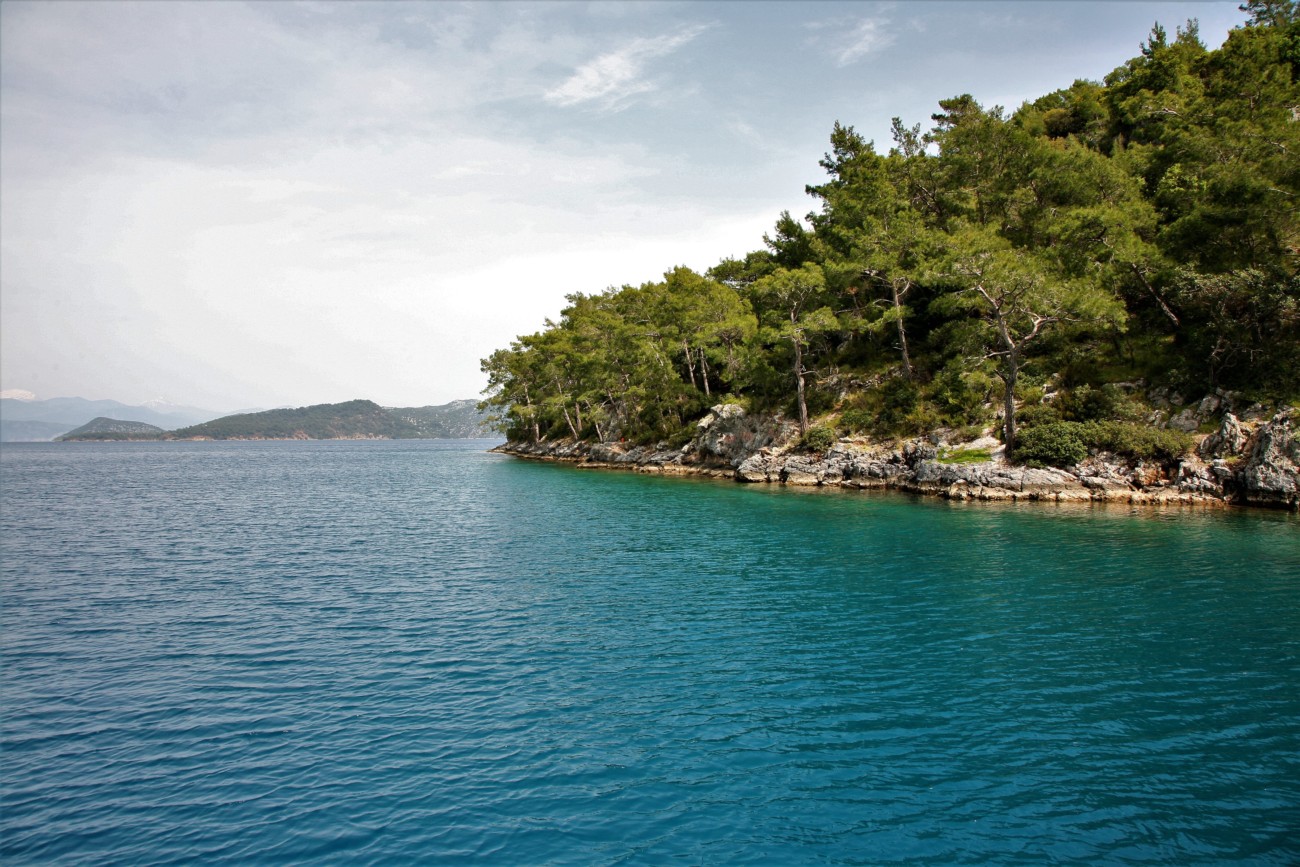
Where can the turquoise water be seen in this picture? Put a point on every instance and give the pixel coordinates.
(396, 652)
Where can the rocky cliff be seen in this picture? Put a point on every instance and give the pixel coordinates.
(1236, 464)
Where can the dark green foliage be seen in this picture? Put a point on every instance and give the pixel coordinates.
(1038, 414)
(1055, 444)
(110, 429)
(1065, 443)
(1140, 228)
(1086, 403)
(1136, 441)
(818, 439)
(356, 418)
(856, 420)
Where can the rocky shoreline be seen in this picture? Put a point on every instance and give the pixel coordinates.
(1235, 465)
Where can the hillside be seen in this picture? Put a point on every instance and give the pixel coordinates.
(356, 419)
(1109, 268)
(460, 419)
(103, 428)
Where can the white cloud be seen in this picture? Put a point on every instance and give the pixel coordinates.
(868, 36)
(849, 40)
(613, 79)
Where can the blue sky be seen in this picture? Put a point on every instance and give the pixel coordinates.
(257, 204)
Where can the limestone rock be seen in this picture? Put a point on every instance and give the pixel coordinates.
(1270, 475)
(1186, 421)
(1227, 441)
(801, 470)
(1194, 477)
(729, 436)
(757, 468)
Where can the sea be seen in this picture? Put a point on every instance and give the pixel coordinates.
(400, 652)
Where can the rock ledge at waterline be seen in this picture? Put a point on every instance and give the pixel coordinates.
(1234, 465)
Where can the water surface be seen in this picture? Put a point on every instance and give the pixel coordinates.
(391, 652)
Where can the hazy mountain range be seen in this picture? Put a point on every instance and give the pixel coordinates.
(24, 420)
(43, 420)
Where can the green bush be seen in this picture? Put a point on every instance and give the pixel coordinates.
(1086, 403)
(1136, 440)
(898, 398)
(857, 420)
(1056, 444)
(1064, 443)
(818, 439)
(1040, 413)
(961, 393)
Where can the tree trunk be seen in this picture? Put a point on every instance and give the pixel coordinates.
(1009, 377)
(704, 373)
(798, 378)
(568, 420)
(690, 361)
(902, 333)
(528, 402)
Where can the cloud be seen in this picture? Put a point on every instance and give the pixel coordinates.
(613, 79)
(850, 40)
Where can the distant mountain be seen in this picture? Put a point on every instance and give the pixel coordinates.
(459, 419)
(66, 418)
(114, 429)
(355, 419)
(66, 413)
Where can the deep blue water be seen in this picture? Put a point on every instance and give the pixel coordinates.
(388, 652)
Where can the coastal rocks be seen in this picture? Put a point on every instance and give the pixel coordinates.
(1231, 465)
(995, 480)
(1196, 477)
(874, 470)
(728, 436)
(760, 467)
(1227, 441)
(803, 470)
(1270, 473)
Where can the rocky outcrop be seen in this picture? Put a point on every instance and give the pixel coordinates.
(1227, 441)
(1230, 465)
(728, 436)
(1270, 472)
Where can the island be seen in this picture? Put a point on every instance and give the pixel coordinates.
(356, 419)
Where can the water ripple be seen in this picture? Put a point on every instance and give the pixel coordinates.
(412, 652)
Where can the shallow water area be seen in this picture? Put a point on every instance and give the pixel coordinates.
(413, 651)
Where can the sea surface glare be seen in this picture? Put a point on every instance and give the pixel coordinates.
(401, 652)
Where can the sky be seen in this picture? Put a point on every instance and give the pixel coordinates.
(235, 205)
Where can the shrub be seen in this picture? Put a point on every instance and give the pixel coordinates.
(898, 398)
(961, 393)
(1041, 413)
(818, 439)
(856, 420)
(1136, 440)
(1064, 443)
(1086, 403)
(1056, 444)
